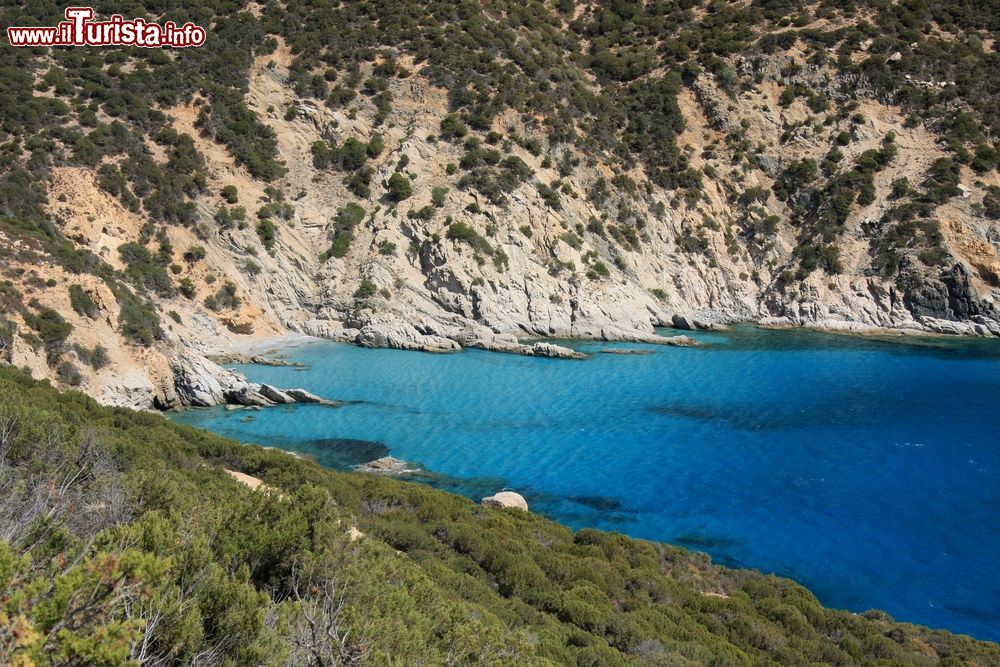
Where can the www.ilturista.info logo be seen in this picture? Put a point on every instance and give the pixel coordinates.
(79, 30)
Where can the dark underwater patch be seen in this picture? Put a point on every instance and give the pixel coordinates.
(728, 416)
(344, 452)
(832, 410)
(473, 488)
(698, 412)
(602, 503)
(697, 541)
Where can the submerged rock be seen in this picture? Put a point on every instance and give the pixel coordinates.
(688, 323)
(603, 503)
(345, 453)
(509, 343)
(621, 336)
(506, 499)
(555, 351)
(387, 465)
(242, 358)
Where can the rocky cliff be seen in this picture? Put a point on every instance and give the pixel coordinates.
(804, 196)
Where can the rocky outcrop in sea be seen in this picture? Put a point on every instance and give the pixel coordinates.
(199, 382)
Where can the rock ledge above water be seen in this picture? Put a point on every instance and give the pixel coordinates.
(199, 382)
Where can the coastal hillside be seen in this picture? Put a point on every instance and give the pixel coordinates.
(435, 174)
(126, 539)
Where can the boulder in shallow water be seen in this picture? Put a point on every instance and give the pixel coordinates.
(199, 382)
(303, 396)
(506, 499)
(275, 394)
(386, 465)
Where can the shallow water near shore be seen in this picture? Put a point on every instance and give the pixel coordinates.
(867, 470)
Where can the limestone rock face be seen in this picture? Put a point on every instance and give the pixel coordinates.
(687, 323)
(199, 382)
(506, 499)
(397, 334)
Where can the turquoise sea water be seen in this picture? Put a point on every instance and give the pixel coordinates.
(868, 471)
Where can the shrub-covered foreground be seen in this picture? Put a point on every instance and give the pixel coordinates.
(123, 539)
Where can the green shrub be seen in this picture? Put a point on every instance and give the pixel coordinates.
(366, 290)
(347, 218)
(137, 320)
(376, 144)
(96, 358)
(82, 302)
(322, 154)
(550, 196)
(598, 270)
(942, 181)
(438, 195)
(991, 202)
(224, 299)
(226, 218)
(186, 287)
(69, 374)
(350, 156)
(452, 127)
(572, 240)
(144, 270)
(358, 182)
(399, 187)
(276, 209)
(195, 253)
(461, 232)
(50, 326)
(268, 233)
(694, 243)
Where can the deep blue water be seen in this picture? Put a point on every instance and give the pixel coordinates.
(867, 470)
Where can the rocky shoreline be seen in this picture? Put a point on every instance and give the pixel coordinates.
(199, 380)
(251, 359)
(927, 327)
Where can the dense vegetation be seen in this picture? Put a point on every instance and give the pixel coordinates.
(601, 79)
(123, 539)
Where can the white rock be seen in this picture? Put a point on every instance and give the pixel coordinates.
(506, 499)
